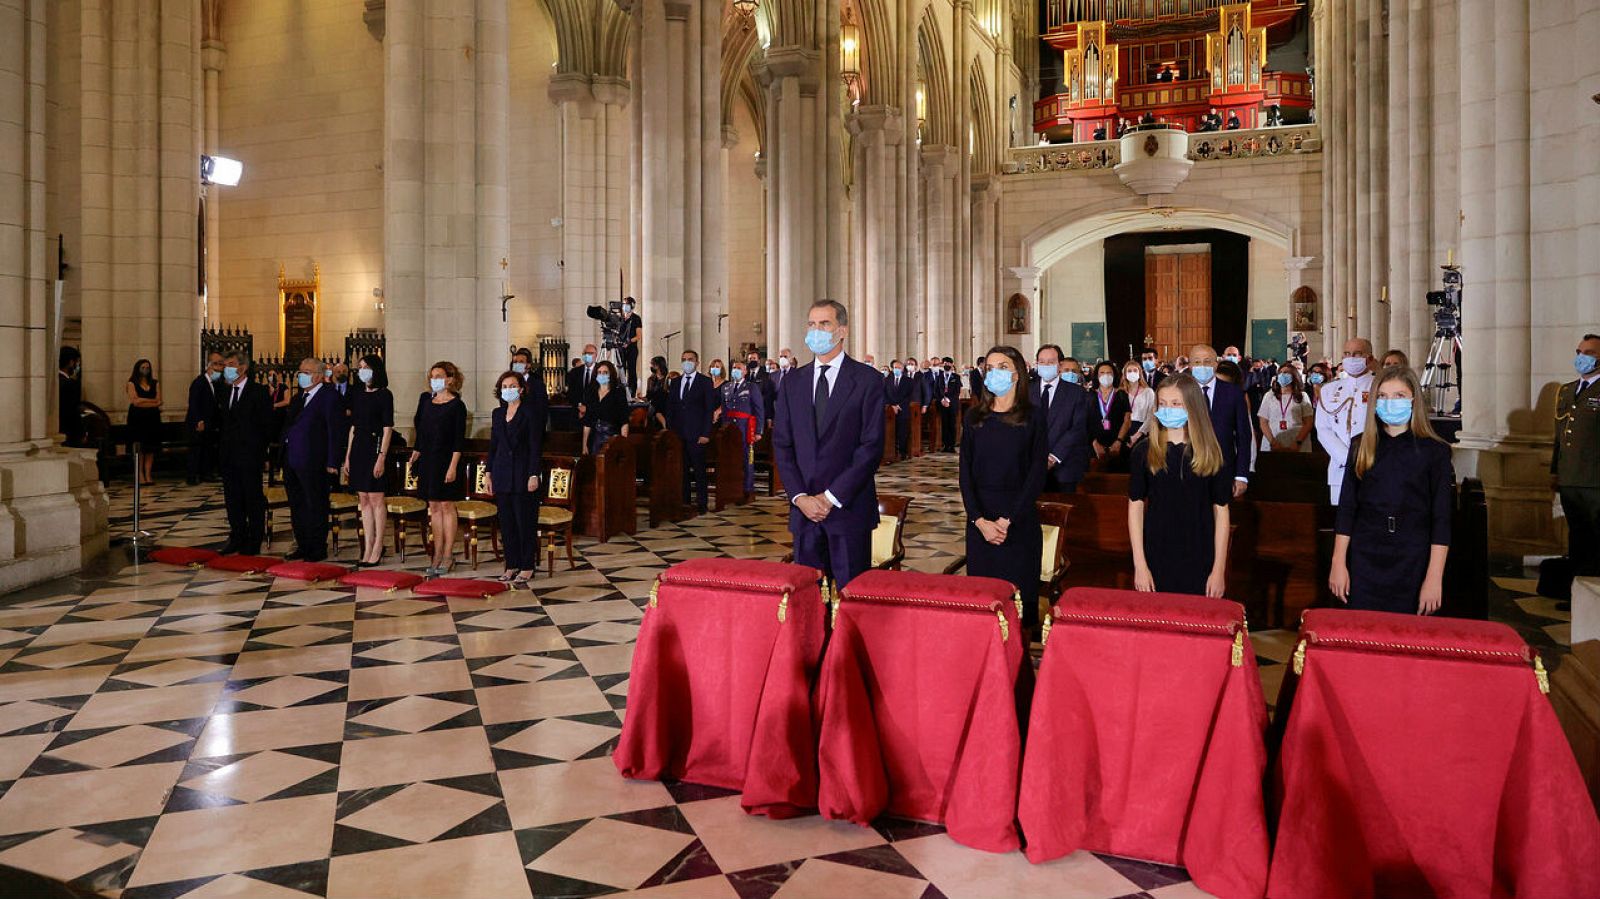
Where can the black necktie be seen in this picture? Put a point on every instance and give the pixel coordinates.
(685, 393)
(235, 398)
(820, 400)
(1047, 396)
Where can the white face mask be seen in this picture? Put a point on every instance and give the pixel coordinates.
(1132, 375)
(1107, 380)
(783, 361)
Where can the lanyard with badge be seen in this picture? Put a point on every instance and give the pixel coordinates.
(1284, 405)
(1105, 411)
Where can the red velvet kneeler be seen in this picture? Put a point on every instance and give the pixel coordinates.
(309, 571)
(918, 705)
(191, 556)
(1146, 738)
(243, 564)
(460, 587)
(720, 689)
(1421, 758)
(382, 578)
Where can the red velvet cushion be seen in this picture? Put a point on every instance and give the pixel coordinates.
(1149, 611)
(182, 555)
(1459, 638)
(388, 580)
(458, 586)
(982, 592)
(247, 564)
(308, 571)
(774, 576)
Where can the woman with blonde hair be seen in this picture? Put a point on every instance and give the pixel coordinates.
(1178, 495)
(441, 428)
(1392, 531)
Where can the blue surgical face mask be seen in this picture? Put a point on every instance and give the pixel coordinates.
(1049, 372)
(510, 394)
(1355, 366)
(304, 380)
(436, 385)
(230, 373)
(738, 374)
(1072, 377)
(1314, 377)
(1148, 364)
(327, 373)
(1285, 379)
(688, 366)
(1394, 411)
(213, 376)
(1203, 373)
(998, 381)
(1584, 363)
(1172, 416)
(819, 341)
(602, 379)
(588, 358)
(716, 371)
(520, 368)
(1232, 358)
(627, 308)
(365, 374)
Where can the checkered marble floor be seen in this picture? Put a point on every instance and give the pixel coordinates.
(168, 732)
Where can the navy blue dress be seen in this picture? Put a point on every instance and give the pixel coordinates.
(1002, 473)
(1180, 525)
(1394, 515)
(370, 412)
(441, 430)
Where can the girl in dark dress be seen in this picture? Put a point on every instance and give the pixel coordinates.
(605, 409)
(1178, 497)
(514, 461)
(656, 392)
(144, 418)
(1108, 418)
(441, 429)
(1004, 448)
(1392, 531)
(366, 453)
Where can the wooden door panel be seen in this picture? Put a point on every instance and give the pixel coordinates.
(1194, 299)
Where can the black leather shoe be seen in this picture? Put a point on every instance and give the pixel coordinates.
(294, 555)
(228, 548)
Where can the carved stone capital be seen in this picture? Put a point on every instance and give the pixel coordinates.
(611, 90)
(213, 56)
(730, 137)
(678, 9)
(876, 125)
(570, 87)
(792, 62)
(372, 15)
(939, 159)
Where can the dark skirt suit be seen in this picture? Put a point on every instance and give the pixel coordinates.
(1180, 526)
(516, 454)
(370, 412)
(604, 418)
(441, 432)
(1394, 515)
(1002, 473)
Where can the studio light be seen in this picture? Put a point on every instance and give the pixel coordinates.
(220, 170)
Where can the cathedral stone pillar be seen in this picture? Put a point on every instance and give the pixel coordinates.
(52, 507)
(878, 238)
(939, 285)
(984, 325)
(446, 205)
(595, 205)
(213, 56)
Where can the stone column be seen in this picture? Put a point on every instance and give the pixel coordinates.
(962, 345)
(52, 507)
(939, 287)
(594, 211)
(213, 56)
(878, 239)
(985, 301)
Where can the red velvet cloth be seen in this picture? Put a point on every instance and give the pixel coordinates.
(246, 564)
(720, 690)
(1146, 740)
(459, 586)
(1421, 759)
(309, 571)
(182, 555)
(388, 580)
(918, 705)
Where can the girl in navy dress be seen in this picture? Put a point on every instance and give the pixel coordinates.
(366, 456)
(1178, 497)
(1392, 531)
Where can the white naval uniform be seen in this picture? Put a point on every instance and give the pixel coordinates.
(1341, 415)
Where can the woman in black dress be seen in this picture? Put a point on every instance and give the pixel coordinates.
(1109, 416)
(605, 408)
(144, 418)
(1178, 497)
(366, 454)
(441, 429)
(1392, 531)
(656, 391)
(515, 460)
(1004, 449)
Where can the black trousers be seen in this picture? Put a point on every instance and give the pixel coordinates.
(245, 501)
(630, 367)
(694, 472)
(1054, 484)
(1581, 505)
(947, 426)
(841, 554)
(308, 509)
(202, 455)
(519, 529)
(902, 432)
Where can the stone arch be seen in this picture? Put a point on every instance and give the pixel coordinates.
(879, 54)
(740, 38)
(983, 156)
(592, 37)
(1054, 240)
(939, 130)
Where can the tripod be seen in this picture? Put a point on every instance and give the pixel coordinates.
(1443, 356)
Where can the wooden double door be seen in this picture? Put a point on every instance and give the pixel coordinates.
(1177, 300)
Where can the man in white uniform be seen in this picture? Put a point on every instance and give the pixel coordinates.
(1342, 411)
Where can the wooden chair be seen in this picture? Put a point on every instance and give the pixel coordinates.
(477, 510)
(403, 506)
(341, 505)
(556, 511)
(277, 498)
(1053, 561)
(888, 544)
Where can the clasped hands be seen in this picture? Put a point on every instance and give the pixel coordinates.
(995, 530)
(816, 508)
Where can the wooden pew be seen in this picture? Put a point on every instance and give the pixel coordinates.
(889, 455)
(607, 497)
(765, 462)
(933, 428)
(916, 430)
(563, 443)
(726, 459)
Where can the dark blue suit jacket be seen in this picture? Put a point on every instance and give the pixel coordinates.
(203, 403)
(690, 416)
(843, 459)
(1067, 432)
(900, 394)
(1230, 418)
(313, 435)
(516, 450)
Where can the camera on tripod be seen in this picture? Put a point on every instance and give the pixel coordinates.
(1447, 303)
(611, 323)
(1441, 373)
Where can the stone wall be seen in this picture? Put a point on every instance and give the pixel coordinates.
(744, 205)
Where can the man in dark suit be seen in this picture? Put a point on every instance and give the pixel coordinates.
(949, 401)
(1151, 364)
(201, 419)
(581, 377)
(691, 403)
(69, 395)
(244, 418)
(1066, 410)
(828, 441)
(900, 392)
(311, 448)
(1230, 418)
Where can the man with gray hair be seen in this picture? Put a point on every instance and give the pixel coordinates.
(1342, 409)
(244, 413)
(312, 449)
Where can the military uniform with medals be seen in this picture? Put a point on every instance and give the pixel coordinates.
(1341, 415)
(1576, 465)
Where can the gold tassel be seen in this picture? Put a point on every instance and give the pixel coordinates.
(1005, 629)
(1540, 675)
(783, 608)
(655, 591)
(1238, 649)
(1044, 630)
(1016, 600)
(827, 593)
(1300, 658)
(388, 590)
(833, 612)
